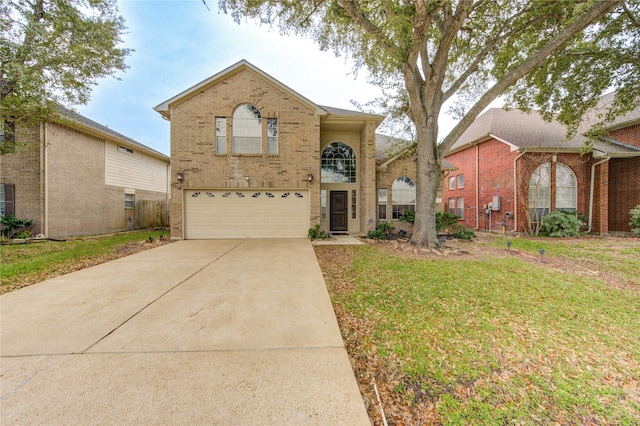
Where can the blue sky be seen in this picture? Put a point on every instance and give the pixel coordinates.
(179, 43)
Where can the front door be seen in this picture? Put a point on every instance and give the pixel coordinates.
(338, 209)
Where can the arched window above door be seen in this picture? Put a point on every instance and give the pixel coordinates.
(338, 164)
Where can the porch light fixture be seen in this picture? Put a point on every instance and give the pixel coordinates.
(309, 177)
(180, 176)
(246, 178)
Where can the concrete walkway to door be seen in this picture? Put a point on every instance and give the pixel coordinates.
(229, 332)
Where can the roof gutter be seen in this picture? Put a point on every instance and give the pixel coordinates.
(591, 190)
(515, 190)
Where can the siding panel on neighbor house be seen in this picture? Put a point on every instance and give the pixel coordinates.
(136, 170)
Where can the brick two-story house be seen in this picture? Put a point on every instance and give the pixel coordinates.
(252, 158)
(513, 168)
(73, 176)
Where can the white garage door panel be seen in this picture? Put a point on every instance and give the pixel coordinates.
(215, 214)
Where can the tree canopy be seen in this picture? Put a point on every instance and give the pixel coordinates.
(54, 51)
(556, 56)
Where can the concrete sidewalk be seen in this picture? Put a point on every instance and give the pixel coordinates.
(235, 332)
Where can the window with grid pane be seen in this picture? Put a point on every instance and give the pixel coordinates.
(403, 197)
(221, 135)
(247, 130)
(382, 203)
(338, 164)
(272, 136)
(566, 189)
(460, 211)
(540, 192)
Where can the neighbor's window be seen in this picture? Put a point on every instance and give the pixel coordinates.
(566, 189)
(460, 181)
(540, 192)
(272, 136)
(338, 164)
(247, 130)
(7, 199)
(382, 203)
(452, 182)
(221, 135)
(460, 211)
(452, 205)
(403, 197)
(129, 201)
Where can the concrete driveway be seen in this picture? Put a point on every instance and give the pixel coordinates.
(195, 332)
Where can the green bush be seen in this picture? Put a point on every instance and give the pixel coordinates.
(10, 226)
(316, 233)
(463, 233)
(408, 216)
(381, 232)
(561, 224)
(635, 220)
(446, 220)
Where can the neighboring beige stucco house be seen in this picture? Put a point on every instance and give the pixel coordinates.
(73, 176)
(251, 158)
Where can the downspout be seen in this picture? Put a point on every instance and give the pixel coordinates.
(477, 188)
(44, 180)
(591, 189)
(515, 190)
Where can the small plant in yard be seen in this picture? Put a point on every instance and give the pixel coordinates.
(382, 231)
(409, 216)
(561, 224)
(316, 233)
(635, 220)
(12, 226)
(449, 223)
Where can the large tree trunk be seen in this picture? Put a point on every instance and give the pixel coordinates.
(428, 178)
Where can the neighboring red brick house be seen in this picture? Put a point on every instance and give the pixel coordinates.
(511, 164)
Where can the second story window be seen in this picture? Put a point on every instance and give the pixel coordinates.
(247, 130)
(272, 136)
(221, 135)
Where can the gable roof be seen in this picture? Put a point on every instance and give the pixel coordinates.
(74, 120)
(384, 144)
(529, 131)
(164, 107)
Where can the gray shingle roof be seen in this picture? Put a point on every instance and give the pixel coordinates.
(528, 130)
(75, 118)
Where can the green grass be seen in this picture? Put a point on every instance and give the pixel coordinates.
(615, 255)
(504, 340)
(29, 263)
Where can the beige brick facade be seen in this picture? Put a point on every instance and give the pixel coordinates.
(304, 130)
(59, 178)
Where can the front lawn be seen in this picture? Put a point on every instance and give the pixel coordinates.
(493, 336)
(25, 264)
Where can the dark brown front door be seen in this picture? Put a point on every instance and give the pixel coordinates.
(338, 209)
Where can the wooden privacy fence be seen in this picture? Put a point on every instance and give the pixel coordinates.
(152, 214)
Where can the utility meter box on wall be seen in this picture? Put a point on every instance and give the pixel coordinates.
(495, 204)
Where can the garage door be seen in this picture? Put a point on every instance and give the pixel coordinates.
(215, 214)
